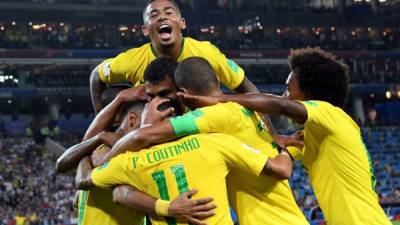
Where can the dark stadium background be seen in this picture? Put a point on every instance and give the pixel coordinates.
(49, 47)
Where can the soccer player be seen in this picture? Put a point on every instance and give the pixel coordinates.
(163, 24)
(96, 205)
(199, 161)
(265, 199)
(335, 156)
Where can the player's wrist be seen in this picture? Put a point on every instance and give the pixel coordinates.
(284, 151)
(161, 207)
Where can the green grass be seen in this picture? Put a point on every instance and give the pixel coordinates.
(396, 222)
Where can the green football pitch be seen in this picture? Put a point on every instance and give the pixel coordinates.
(396, 222)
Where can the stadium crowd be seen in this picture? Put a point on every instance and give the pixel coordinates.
(29, 189)
(249, 36)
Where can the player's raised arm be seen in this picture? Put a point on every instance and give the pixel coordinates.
(70, 158)
(105, 119)
(265, 103)
(96, 88)
(140, 138)
(247, 87)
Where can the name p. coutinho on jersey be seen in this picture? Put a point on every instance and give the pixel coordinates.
(168, 152)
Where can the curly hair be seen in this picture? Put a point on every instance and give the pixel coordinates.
(159, 70)
(320, 75)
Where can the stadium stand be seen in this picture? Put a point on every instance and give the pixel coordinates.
(253, 36)
(29, 189)
(46, 60)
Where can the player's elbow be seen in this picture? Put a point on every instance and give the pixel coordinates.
(278, 168)
(284, 173)
(60, 165)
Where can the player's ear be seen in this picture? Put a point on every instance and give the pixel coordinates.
(183, 23)
(145, 30)
(134, 119)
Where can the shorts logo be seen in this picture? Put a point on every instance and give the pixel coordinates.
(233, 66)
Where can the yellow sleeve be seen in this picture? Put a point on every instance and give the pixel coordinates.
(318, 117)
(227, 71)
(121, 68)
(296, 152)
(111, 173)
(218, 118)
(240, 155)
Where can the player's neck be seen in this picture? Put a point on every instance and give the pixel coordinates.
(172, 51)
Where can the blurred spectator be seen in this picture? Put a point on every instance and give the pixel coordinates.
(252, 35)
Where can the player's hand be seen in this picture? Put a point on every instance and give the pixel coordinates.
(109, 138)
(133, 94)
(98, 155)
(152, 115)
(188, 210)
(197, 101)
(296, 139)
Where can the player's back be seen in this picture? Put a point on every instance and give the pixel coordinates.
(339, 167)
(262, 198)
(195, 162)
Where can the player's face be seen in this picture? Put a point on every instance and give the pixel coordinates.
(163, 23)
(293, 91)
(164, 89)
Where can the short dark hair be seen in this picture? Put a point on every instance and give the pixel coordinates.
(130, 106)
(151, 1)
(196, 75)
(320, 75)
(159, 70)
(111, 92)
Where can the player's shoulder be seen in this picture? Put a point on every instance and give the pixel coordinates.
(133, 53)
(200, 45)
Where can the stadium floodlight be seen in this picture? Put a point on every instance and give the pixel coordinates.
(388, 94)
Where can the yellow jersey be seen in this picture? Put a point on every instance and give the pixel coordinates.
(339, 167)
(194, 162)
(257, 200)
(20, 220)
(96, 206)
(131, 65)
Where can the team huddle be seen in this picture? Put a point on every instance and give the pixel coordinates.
(171, 148)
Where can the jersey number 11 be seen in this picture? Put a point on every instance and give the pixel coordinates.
(180, 177)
